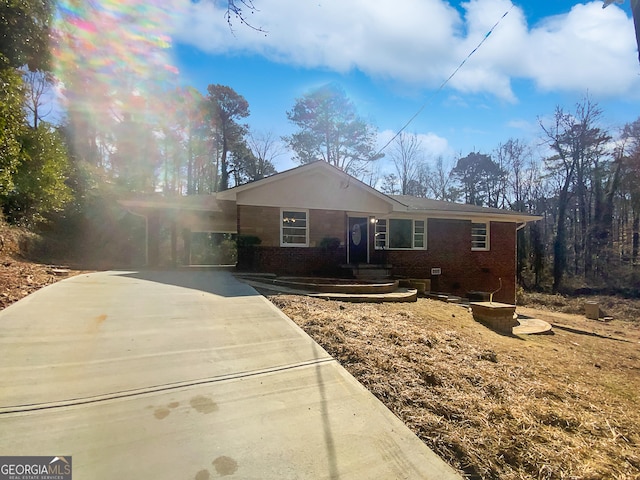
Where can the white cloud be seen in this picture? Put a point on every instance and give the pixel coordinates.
(421, 42)
(587, 49)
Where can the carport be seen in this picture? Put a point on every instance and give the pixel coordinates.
(182, 215)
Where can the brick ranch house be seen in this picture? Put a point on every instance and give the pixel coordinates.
(316, 219)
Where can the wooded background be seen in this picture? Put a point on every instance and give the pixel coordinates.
(63, 165)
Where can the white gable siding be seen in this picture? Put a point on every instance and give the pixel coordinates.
(315, 190)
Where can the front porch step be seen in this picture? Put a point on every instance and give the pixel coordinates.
(370, 271)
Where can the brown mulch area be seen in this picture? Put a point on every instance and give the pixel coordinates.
(538, 407)
(19, 278)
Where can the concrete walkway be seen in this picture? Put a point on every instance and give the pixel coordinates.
(188, 375)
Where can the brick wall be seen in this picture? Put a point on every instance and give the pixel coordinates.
(448, 247)
(463, 270)
(327, 223)
(293, 261)
(264, 222)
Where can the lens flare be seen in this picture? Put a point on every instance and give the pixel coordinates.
(112, 57)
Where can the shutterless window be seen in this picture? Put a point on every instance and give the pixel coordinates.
(294, 231)
(381, 234)
(418, 234)
(400, 233)
(479, 236)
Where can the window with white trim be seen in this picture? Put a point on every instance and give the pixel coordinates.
(294, 228)
(480, 236)
(401, 233)
(419, 231)
(381, 234)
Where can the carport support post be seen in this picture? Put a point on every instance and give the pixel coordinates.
(186, 240)
(174, 243)
(153, 240)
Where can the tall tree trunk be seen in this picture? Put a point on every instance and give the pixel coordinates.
(635, 242)
(601, 236)
(190, 182)
(538, 253)
(223, 184)
(560, 242)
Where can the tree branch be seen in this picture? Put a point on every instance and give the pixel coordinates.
(235, 9)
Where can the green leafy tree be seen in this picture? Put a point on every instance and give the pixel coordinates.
(11, 125)
(39, 184)
(390, 183)
(480, 178)
(331, 130)
(24, 32)
(192, 110)
(135, 159)
(226, 107)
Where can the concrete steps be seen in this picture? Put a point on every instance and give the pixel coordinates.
(369, 271)
(373, 292)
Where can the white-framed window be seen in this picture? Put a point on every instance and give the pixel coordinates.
(381, 234)
(294, 228)
(480, 236)
(401, 234)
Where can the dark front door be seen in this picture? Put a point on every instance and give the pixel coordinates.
(358, 239)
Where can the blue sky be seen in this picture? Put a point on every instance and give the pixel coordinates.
(391, 58)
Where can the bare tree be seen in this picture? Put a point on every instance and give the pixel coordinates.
(265, 147)
(38, 95)
(237, 10)
(516, 159)
(439, 182)
(631, 183)
(407, 156)
(575, 141)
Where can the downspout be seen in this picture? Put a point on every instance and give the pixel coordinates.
(515, 253)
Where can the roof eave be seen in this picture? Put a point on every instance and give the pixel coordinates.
(487, 216)
(151, 204)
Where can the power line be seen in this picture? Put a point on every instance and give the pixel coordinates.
(424, 105)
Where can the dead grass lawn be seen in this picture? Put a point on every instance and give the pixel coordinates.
(562, 406)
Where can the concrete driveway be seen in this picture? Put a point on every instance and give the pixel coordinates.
(188, 375)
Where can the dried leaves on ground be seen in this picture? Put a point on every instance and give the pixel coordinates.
(493, 406)
(19, 278)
